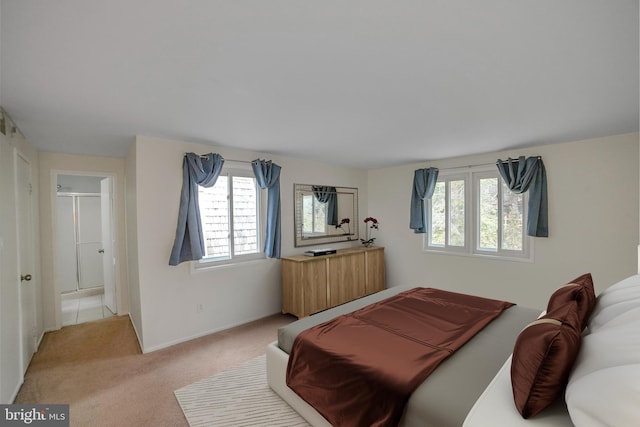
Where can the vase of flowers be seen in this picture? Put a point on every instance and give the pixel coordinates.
(347, 229)
(370, 224)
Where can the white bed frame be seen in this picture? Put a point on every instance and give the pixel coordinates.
(494, 408)
(276, 378)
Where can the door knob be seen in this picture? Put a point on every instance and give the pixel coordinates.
(100, 251)
(26, 277)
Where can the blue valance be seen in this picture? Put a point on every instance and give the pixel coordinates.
(328, 195)
(196, 170)
(424, 183)
(529, 174)
(268, 176)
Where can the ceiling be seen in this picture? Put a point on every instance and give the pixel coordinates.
(362, 83)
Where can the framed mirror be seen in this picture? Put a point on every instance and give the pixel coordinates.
(325, 214)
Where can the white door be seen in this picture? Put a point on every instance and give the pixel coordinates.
(108, 262)
(10, 338)
(66, 256)
(89, 242)
(25, 249)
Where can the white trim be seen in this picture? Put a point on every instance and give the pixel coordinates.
(135, 330)
(53, 192)
(448, 178)
(202, 334)
(202, 266)
(242, 170)
(482, 255)
(524, 254)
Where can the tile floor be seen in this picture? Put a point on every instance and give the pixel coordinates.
(83, 309)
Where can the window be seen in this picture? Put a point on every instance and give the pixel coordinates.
(314, 215)
(474, 213)
(230, 215)
(448, 209)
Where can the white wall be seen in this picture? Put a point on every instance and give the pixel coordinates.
(131, 207)
(230, 295)
(50, 164)
(593, 190)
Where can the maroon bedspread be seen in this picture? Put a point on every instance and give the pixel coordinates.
(360, 369)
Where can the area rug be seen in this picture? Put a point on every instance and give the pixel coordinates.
(237, 397)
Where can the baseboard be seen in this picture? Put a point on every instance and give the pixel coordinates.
(17, 390)
(136, 332)
(39, 341)
(199, 335)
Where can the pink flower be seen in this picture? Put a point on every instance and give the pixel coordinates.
(346, 221)
(372, 223)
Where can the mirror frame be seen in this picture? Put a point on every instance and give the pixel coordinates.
(300, 240)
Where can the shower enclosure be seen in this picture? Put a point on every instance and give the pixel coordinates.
(79, 242)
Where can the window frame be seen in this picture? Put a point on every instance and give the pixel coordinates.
(231, 169)
(315, 205)
(447, 247)
(471, 177)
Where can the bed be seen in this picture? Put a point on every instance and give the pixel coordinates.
(473, 387)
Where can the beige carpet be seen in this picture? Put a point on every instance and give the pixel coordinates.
(97, 368)
(237, 397)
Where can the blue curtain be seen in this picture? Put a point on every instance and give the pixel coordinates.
(522, 175)
(268, 176)
(424, 182)
(196, 170)
(328, 195)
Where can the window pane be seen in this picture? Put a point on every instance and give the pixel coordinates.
(488, 232)
(307, 213)
(214, 215)
(314, 215)
(245, 215)
(512, 208)
(456, 213)
(438, 215)
(319, 216)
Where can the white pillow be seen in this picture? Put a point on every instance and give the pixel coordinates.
(604, 386)
(607, 348)
(616, 300)
(617, 315)
(609, 397)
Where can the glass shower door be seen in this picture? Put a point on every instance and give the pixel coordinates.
(89, 242)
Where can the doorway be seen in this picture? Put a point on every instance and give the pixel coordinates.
(84, 248)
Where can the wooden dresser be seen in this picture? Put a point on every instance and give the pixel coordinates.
(313, 284)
